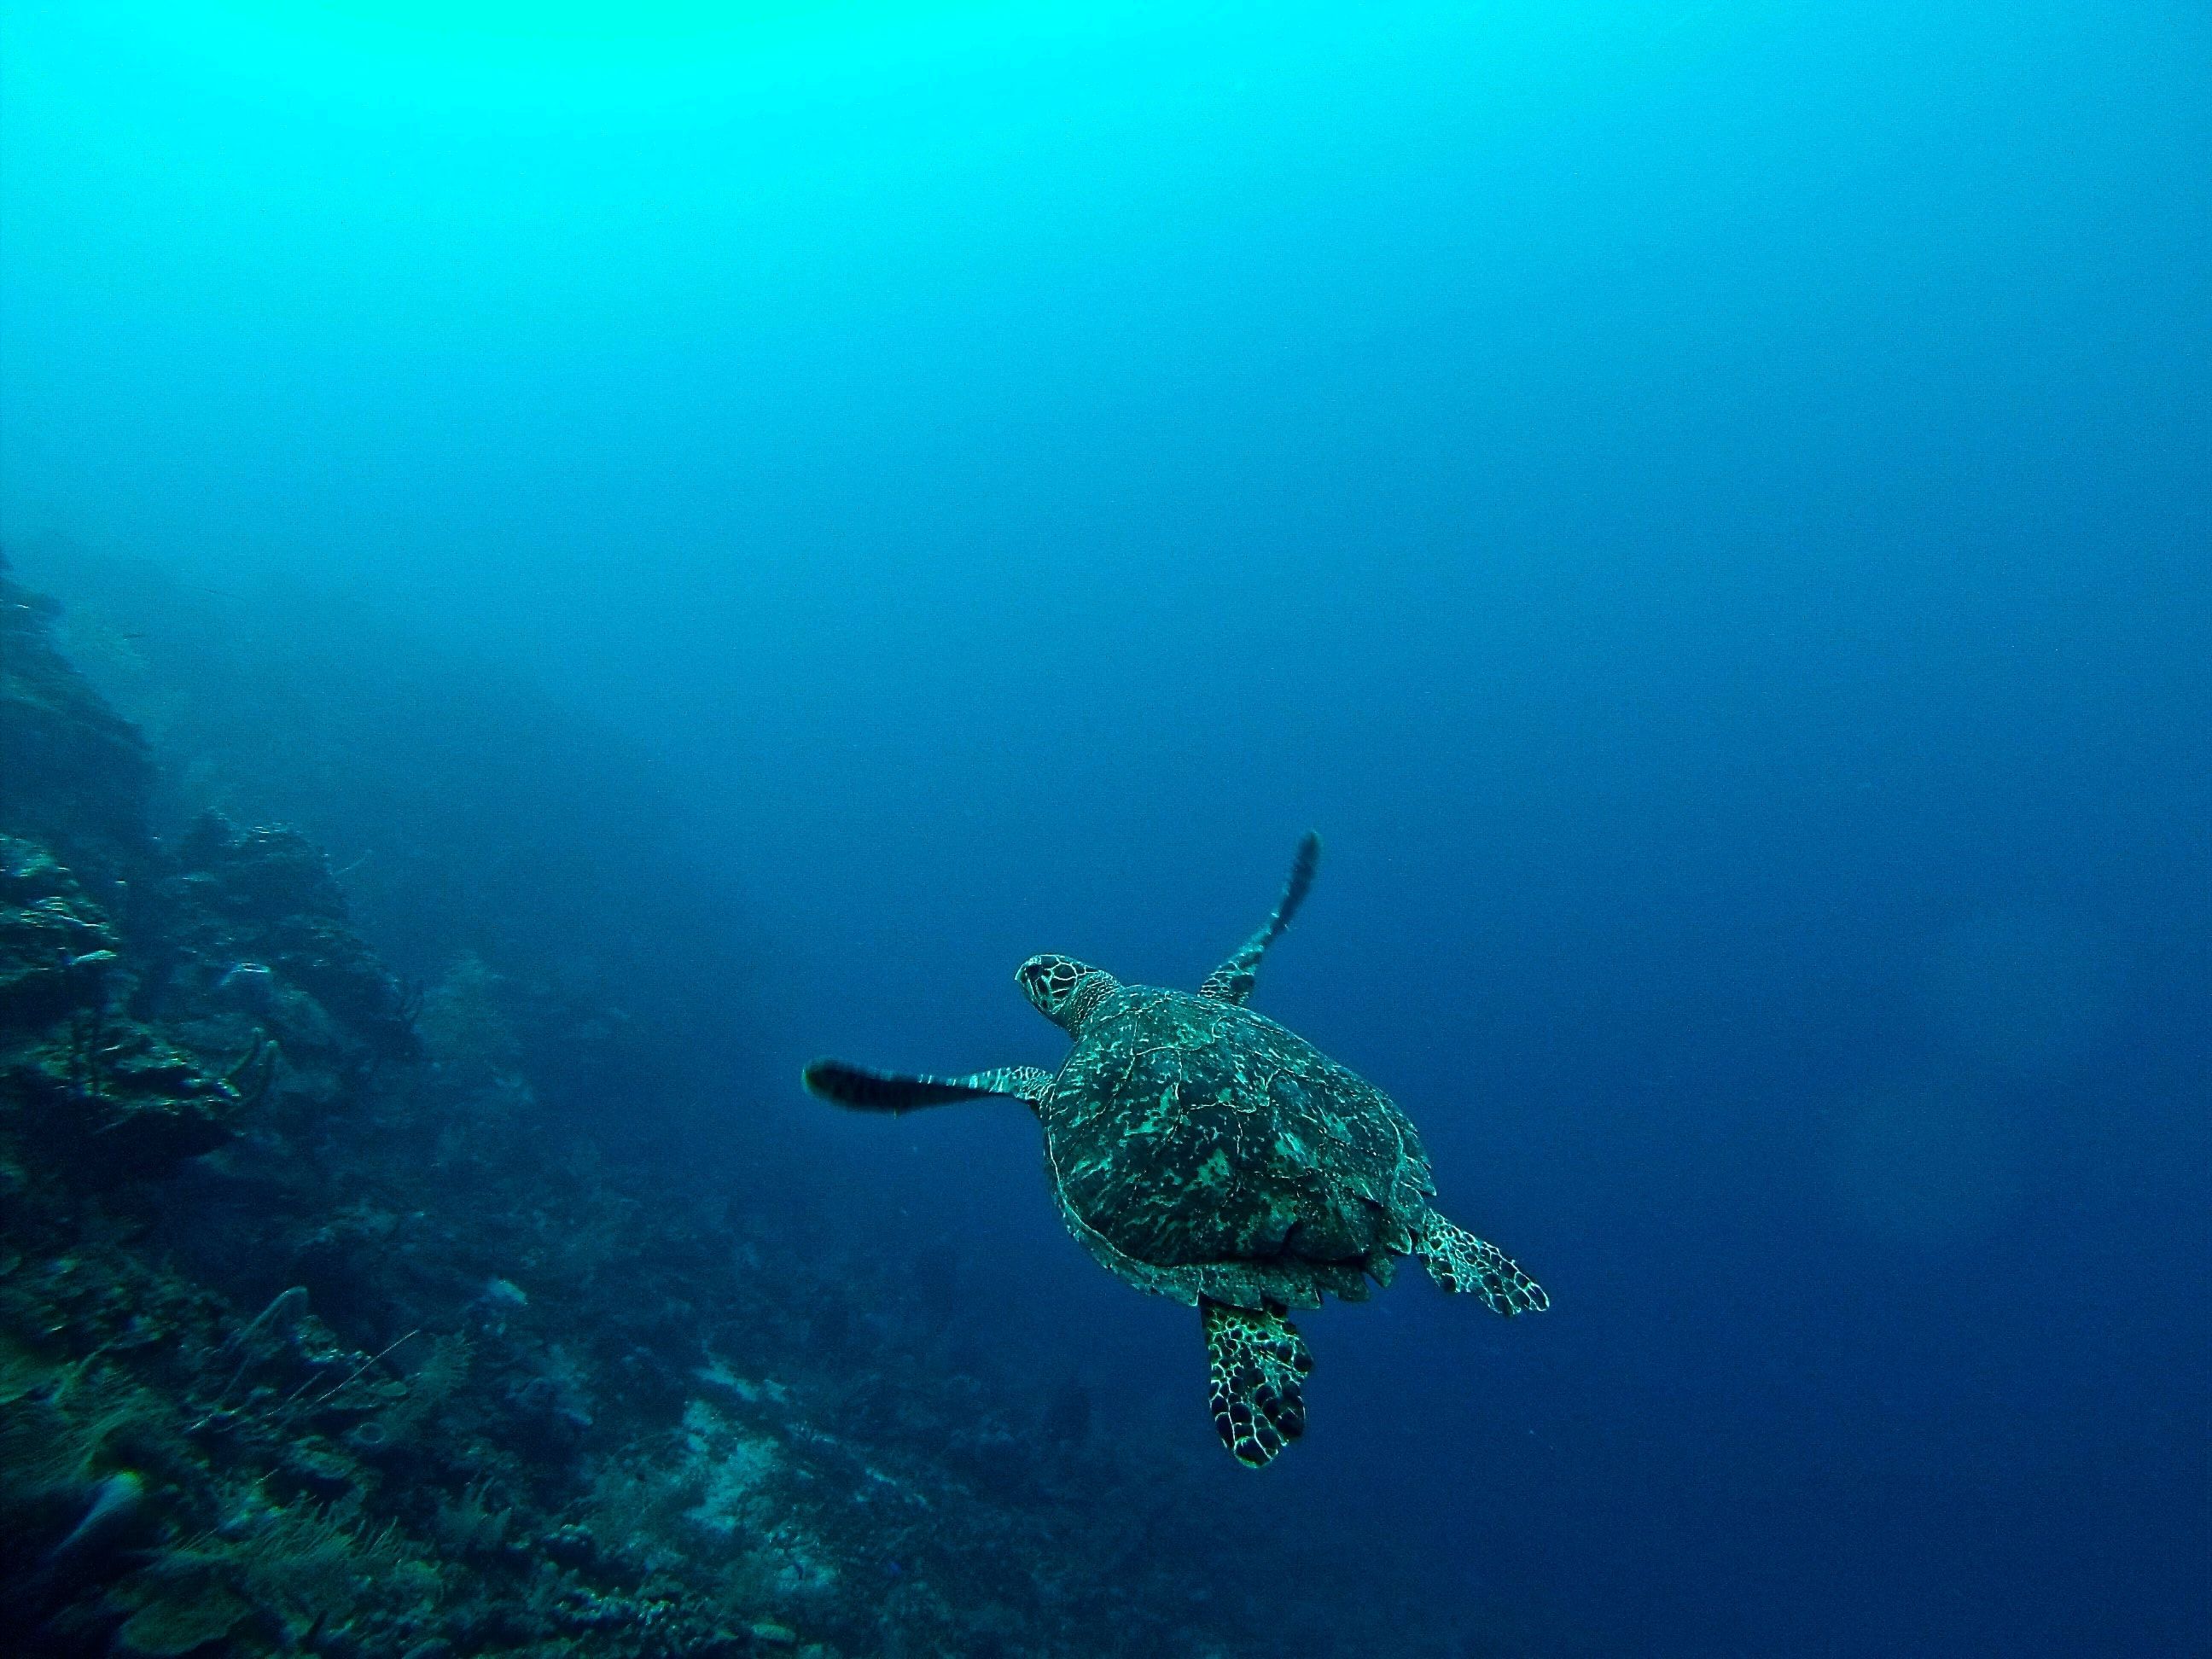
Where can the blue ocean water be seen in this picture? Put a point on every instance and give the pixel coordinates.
(1705, 507)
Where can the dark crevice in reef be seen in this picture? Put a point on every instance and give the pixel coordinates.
(312, 1340)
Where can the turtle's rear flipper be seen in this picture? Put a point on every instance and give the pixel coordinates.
(1258, 1363)
(1459, 1262)
(1232, 981)
(900, 1092)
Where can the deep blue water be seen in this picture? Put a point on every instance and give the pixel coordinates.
(1706, 507)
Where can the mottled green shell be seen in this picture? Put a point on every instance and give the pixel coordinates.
(1198, 1148)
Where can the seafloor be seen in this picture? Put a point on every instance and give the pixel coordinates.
(273, 1382)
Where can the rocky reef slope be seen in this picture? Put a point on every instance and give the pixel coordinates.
(309, 1344)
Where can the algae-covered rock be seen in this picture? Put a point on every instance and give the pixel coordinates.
(184, 1621)
(259, 930)
(108, 1099)
(58, 949)
(268, 887)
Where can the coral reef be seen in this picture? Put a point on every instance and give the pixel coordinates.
(311, 1340)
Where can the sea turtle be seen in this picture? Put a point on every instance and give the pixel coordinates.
(1201, 1151)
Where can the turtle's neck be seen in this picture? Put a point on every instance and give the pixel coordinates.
(1097, 985)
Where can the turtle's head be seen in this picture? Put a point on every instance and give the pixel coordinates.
(1064, 989)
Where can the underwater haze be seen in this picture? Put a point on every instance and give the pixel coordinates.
(772, 515)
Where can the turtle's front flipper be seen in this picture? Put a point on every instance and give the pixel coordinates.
(1232, 981)
(1258, 1362)
(900, 1092)
(1458, 1261)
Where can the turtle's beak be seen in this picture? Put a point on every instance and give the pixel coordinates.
(1035, 977)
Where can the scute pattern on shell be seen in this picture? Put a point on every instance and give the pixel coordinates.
(1198, 1148)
